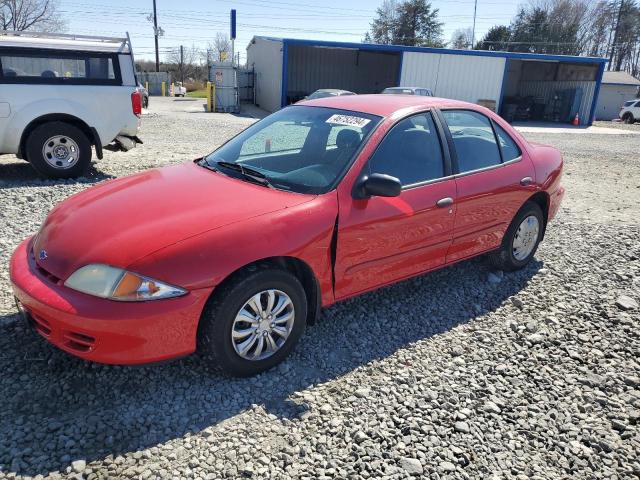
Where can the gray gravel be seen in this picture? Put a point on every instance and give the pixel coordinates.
(463, 373)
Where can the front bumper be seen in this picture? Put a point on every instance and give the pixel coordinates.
(100, 330)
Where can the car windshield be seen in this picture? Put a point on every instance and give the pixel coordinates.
(321, 94)
(398, 91)
(299, 148)
(629, 103)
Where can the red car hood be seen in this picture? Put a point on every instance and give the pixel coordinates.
(126, 219)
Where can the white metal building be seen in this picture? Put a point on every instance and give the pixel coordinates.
(616, 88)
(286, 70)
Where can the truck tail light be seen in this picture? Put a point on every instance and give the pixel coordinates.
(136, 103)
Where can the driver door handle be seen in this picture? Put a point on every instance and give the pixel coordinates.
(526, 181)
(445, 202)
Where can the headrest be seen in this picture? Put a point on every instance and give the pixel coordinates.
(347, 138)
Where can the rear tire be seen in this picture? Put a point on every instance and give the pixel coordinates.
(521, 240)
(223, 333)
(58, 150)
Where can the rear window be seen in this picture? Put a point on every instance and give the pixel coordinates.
(58, 67)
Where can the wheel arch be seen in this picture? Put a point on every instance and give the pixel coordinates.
(90, 132)
(542, 199)
(299, 268)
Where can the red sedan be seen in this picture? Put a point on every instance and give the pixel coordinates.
(236, 252)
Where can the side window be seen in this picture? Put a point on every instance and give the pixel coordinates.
(411, 151)
(509, 147)
(57, 67)
(473, 139)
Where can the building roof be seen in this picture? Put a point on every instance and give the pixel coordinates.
(385, 105)
(619, 78)
(450, 51)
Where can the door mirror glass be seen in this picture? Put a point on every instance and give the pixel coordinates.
(381, 185)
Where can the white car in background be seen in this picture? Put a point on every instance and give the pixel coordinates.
(62, 94)
(630, 111)
(179, 90)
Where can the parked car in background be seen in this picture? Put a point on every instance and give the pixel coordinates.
(179, 90)
(328, 92)
(55, 91)
(408, 91)
(145, 95)
(237, 252)
(630, 111)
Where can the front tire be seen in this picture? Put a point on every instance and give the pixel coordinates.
(253, 322)
(58, 150)
(521, 240)
(628, 118)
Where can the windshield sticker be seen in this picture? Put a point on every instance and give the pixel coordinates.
(348, 120)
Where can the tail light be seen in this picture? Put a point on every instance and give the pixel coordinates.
(136, 103)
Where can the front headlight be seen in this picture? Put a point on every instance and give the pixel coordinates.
(118, 284)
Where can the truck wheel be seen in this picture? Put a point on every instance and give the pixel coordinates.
(58, 150)
(253, 322)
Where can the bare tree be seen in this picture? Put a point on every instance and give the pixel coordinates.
(221, 46)
(22, 15)
(462, 38)
(185, 61)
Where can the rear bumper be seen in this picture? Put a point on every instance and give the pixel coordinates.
(105, 331)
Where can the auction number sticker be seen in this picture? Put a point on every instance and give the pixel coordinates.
(348, 120)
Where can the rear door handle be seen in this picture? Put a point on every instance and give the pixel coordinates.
(526, 181)
(445, 202)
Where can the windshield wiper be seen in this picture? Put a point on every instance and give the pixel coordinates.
(203, 163)
(247, 172)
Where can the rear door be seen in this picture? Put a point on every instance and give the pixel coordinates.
(382, 239)
(494, 177)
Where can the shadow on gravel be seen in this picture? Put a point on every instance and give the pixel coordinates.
(21, 174)
(56, 408)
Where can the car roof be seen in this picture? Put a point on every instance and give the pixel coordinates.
(386, 105)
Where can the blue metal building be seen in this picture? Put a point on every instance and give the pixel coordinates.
(556, 87)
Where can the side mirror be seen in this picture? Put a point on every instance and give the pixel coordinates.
(378, 185)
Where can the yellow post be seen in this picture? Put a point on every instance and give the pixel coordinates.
(172, 90)
(164, 88)
(208, 96)
(213, 97)
(146, 86)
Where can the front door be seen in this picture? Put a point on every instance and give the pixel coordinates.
(385, 239)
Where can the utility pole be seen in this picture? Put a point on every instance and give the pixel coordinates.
(615, 36)
(155, 34)
(182, 64)
(473, 32)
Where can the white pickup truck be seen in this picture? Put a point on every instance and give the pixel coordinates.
(61, 95)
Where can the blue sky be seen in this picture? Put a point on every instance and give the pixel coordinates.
(195, 22)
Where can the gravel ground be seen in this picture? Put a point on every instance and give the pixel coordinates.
(463, 373)
(609, 124)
